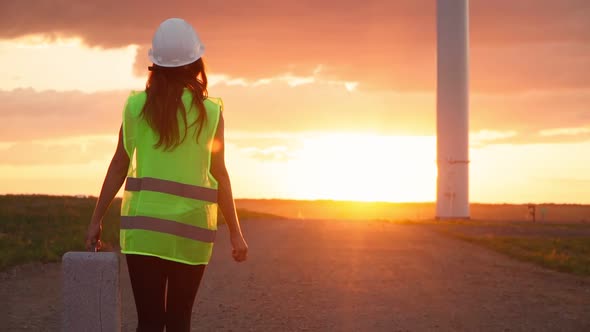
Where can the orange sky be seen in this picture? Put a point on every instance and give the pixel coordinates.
(297, 76)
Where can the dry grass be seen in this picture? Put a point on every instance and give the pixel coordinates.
(569, 254)
(343, 210)
(42, 228)
(39, 228)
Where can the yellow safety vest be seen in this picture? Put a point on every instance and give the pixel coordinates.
(169, 207)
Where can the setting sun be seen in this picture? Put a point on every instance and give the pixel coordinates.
(365, 167)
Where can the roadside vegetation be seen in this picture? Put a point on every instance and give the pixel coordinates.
(39, 228)
(560, 247)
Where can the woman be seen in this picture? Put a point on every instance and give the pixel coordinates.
(171, 151)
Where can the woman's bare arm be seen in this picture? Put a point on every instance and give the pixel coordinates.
(113, 181)
(225, 197)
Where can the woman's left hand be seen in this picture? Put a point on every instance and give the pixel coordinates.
(93, 236)
(239, 247)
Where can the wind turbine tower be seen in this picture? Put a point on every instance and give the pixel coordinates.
(452, 109)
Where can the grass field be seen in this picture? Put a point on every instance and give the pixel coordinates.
(42, 228)
(342, 210)
(565, 255)
(560, 247)
(38, 228)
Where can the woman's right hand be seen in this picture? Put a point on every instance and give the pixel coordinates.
(93, 233)
(239, 247)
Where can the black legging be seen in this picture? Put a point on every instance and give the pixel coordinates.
(158, 307)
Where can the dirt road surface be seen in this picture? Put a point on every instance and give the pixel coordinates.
(342, 276)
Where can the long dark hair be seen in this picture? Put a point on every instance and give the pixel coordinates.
(164, 89)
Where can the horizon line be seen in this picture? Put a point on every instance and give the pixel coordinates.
(318, 200)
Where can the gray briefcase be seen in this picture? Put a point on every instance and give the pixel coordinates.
(91, 296)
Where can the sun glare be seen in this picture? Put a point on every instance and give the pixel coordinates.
(365, 167)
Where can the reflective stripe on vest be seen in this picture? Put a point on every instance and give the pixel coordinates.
(169, 227)
(172, 187)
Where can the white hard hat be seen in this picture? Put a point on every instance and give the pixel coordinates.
(175, 44)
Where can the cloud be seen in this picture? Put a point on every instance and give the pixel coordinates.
(565, 131)
(529, 67)
(28, 114)
(288, 78)
(66, 64)
(275, 153)
(111, 23)
(529, 21)
(529, 113)
(485, 137)
(324, 106)
(381, 44)
(52, 153)
(265, 115)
